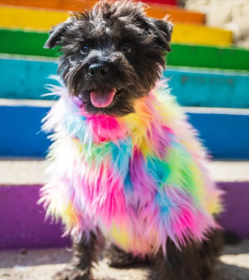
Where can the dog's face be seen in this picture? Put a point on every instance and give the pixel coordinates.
(111, 55)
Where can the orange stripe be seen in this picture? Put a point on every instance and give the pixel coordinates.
(176, 14)
(50, 4)
(157, 11)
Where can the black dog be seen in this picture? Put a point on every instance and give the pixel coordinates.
(116, 46)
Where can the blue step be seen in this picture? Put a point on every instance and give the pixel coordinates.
(26, 79)
(209, 87)
(225, 131)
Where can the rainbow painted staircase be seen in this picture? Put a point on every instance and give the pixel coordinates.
(207, 74)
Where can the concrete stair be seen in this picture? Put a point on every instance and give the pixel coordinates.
(153, 10)
(43, 264)
(33, 19)
(225, 130)
(191, 86)
(23, 221)
(71, 5)
(30, 43)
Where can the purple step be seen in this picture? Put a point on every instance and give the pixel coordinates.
(23, 222)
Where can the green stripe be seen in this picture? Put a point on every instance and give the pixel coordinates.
(31, 43)
(24, 43)
(209, 57)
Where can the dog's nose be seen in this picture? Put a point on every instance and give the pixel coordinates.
(98, 70)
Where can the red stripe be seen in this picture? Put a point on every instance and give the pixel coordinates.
(165, 2)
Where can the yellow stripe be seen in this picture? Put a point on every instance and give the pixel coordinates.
(33, 19)
(201, 35)
(42, 20)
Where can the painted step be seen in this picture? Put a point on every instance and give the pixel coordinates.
(225, 132)
(201, 35)
(31, 43)
(36, 264)
(168, 2)
(70, 5)
(20, 17)
(208, 57)
(176, 14)
(26, 79)
(209, 88)
(26, 43)
(32, 19)
(23, 222)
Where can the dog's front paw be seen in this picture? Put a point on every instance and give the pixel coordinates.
(118, 258)
(71, 274)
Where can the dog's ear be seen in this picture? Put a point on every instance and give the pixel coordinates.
(162, 29)
(55, 35)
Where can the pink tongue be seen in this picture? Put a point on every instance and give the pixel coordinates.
(102, 98)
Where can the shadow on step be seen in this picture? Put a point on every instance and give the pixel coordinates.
(231, 272)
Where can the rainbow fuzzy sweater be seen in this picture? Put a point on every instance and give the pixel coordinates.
(140, 178)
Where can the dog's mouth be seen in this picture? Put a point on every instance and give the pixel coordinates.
(103, 97)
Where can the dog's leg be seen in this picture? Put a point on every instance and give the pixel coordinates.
(118, 258)
(85, 253)
(177, 265)
(195, 261)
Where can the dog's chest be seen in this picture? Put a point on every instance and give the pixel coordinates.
(117, 191)
(116, 179)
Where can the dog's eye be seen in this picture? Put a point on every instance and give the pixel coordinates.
(85, 49)
(128, 49)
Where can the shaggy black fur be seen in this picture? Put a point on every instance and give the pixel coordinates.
(115, 45)
(85, 254)
(120, 38)
(120, 259)
(195, 261)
